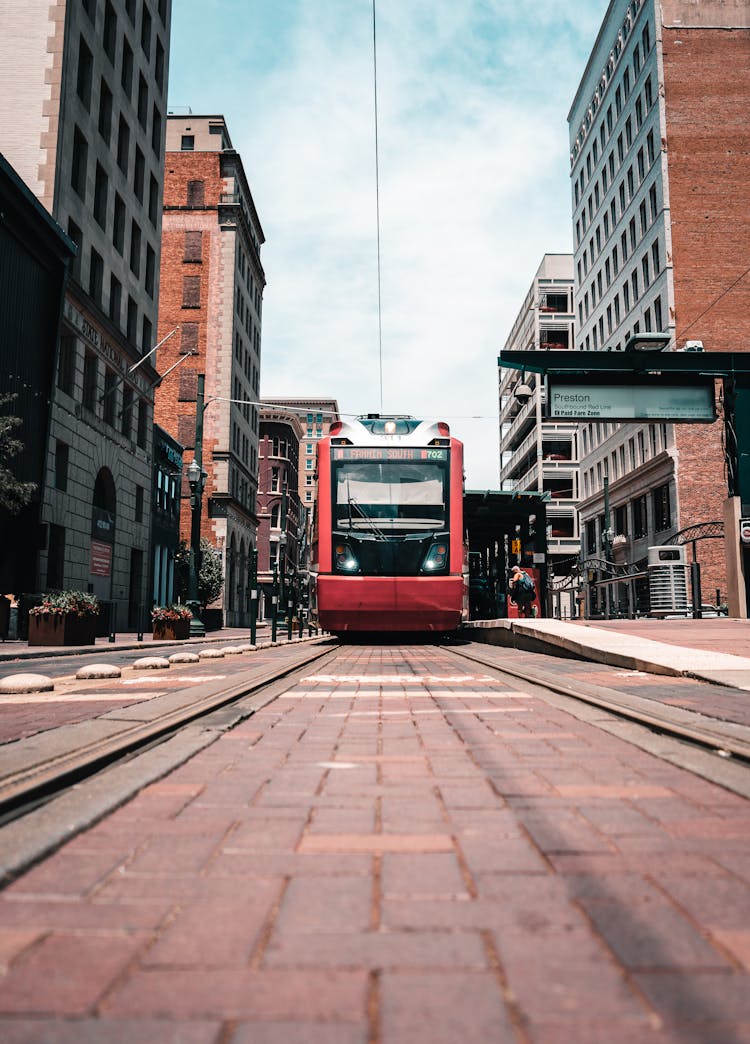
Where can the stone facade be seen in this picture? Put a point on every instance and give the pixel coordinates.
(82, 116)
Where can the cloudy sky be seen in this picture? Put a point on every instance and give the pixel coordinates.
(473, 97)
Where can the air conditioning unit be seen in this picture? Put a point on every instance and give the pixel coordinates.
(667, 580)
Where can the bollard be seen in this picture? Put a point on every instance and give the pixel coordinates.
(695, 589)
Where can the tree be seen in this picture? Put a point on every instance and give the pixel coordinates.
(210, 574)
(14, 495)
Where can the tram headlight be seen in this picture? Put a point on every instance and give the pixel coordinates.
(345, 559)
(436, 558)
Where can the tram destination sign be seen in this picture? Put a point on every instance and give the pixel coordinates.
(384, 453)
(673, 398)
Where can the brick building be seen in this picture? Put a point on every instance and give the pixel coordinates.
(280, 534)
(212, 284)
(316, 417)
(82, 120)
(660, 175)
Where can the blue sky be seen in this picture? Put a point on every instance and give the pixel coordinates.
(473, 97)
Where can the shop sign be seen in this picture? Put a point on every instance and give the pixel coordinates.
(101, 558)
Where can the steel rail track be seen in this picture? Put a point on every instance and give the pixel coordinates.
(725, 738)
(43, 776)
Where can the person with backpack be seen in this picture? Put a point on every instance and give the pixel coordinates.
(522, 591)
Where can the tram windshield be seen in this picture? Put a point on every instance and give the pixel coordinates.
(390, 497)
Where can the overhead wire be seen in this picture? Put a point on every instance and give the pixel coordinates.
(377, 198)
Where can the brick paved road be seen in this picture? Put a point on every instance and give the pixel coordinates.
(398, 850)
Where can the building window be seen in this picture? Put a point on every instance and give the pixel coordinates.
(90, 381)
(196, 193)
(193, 247)
(191, 292)
(126, 416)
(75, 234)
(142, 101)
(79, 162)
(139, 502)
(146, 31)
(142, 436)
(159, 64)
(147, 335)
(187, 142)
(150, 270)
(115, 299)
(132, 326)
(123, 145)
(657, 315)
(66, 361)
(109, 35)
(105, 111)
(62, 451)
(662, 512)
(108, 399)
(153, 200)
(96, 276)
(655, 260)
(135, 248)
(640, 517)
(118, 229)
(126, 74)
(101, 193)
(189, 338)
(139, 174)
(85, 69)
(156, 132)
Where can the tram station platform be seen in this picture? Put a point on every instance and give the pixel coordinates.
(715, 650)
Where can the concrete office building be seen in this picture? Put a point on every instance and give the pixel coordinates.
(82, 120)
(538, 455)
(660, 175)
(212, 286)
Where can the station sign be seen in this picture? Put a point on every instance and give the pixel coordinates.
(672, 398)
(745, 530)
(378, 454)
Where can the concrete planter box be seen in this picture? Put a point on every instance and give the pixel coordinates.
(171, 630)
(62, 629)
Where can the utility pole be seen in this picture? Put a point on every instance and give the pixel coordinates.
(253, 593)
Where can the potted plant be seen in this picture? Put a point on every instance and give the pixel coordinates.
(171, 621)
(64, 618)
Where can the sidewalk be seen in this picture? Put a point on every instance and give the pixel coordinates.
(715, 650)
(17, 649)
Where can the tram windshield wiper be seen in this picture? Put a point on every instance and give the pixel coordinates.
(352, 503)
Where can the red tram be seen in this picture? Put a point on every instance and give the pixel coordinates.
(388, 546)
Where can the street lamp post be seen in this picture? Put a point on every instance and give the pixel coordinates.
(197, 481)
(253, 594)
